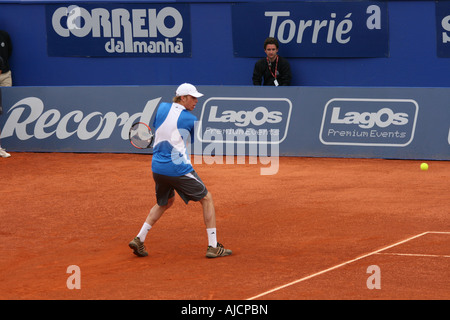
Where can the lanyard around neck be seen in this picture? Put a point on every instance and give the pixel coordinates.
(276, 67)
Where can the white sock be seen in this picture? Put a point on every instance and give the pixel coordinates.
(212, 237)
(144, 230)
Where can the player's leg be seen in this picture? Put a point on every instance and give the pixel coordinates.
(191, 187)
(137, 244)
(215, 249)
(209, 211)
(157, 211)
(165, 197)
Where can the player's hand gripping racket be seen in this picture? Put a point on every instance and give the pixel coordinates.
(141, 136)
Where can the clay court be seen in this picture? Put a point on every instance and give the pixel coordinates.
(310, 231)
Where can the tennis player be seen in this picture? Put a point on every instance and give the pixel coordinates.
(172, 169)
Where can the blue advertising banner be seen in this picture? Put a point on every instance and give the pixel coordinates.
(346, 122)
(443, 28)
(312, 29)
(396, 123)
(99, 30)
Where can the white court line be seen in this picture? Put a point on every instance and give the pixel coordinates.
(413, 254)
(343, 264)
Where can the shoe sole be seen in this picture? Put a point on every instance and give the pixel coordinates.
(215, 255)
(135, 248)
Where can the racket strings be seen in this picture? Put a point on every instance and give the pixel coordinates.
(141, 136)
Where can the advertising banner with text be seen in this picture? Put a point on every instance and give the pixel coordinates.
(312, 29)
(443, 28)
(395, 123)
(110, 30)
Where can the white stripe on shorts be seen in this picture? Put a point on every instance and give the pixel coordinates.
(190, 175)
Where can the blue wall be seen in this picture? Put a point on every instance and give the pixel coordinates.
(412, 63)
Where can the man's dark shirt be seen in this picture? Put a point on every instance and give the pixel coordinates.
(263, 75)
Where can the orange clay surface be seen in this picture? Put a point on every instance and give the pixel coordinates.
(314, 215)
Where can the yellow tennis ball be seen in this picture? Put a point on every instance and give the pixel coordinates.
(424, 166)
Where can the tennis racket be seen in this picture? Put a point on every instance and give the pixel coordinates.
(141, 136)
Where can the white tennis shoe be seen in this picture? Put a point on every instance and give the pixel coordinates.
(4, 154)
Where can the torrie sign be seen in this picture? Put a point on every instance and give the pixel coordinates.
(312, 29)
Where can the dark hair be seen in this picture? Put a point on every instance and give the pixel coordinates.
(270, 40)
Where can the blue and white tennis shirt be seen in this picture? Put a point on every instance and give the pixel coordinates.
(173, 125)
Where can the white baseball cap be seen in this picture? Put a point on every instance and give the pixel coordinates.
(187, 89)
